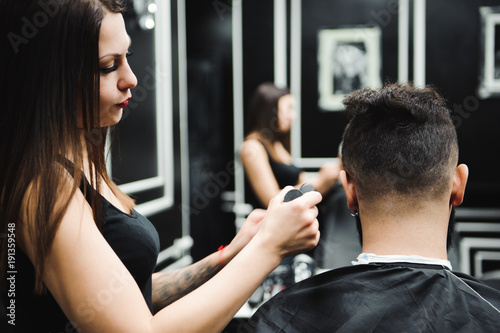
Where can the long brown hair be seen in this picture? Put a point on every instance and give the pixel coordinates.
(49, 75)
(263, 113)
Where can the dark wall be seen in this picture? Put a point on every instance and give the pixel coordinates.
(258, 46)
(322, 130)
(210, 108)
(453, 56)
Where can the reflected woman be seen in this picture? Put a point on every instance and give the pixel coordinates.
(265, 154)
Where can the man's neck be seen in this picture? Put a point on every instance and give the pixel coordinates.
(412, 231)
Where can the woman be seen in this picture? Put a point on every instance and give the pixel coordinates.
(81, 257)
(265, 157)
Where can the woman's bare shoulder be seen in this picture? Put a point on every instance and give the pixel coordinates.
(34, 197)
(252, 147)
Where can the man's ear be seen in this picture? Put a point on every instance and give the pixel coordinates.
(459, 182)
(349, 189)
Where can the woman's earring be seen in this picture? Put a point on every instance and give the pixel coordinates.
(354, 213)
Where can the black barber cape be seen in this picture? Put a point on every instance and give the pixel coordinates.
(382, 297)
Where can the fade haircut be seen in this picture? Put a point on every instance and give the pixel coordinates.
(400, 140)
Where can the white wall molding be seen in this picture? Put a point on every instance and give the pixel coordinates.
(164, 127)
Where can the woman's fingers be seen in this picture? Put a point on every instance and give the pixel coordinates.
(278, 199)
(256, 215)
(292, 227)
(311, 199)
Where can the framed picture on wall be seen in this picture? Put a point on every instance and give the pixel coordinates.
(489, 62)
(348, 59)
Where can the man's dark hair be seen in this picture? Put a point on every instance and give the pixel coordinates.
(400, 140)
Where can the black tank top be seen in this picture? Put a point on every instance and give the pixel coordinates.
(285, 174)
(133, 238)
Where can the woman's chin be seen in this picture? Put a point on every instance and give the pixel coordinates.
(113, 119)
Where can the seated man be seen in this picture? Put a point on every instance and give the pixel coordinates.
(401, 180)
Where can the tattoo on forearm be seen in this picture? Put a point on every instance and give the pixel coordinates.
(170, 286)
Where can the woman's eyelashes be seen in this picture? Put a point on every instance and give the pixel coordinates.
(107, 70)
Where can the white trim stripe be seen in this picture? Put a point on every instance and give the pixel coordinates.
(403, 40)
(237, 52)
(280, 45)
(183, 119)
(295, 74)
(419, 43)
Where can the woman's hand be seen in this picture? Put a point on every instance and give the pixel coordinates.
(285, 229)
(245, 234)
(291, 227)
(328, 176)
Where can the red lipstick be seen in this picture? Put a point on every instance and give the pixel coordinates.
(124, 104)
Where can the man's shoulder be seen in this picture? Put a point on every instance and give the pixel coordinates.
(308, 296)
(347, 296)
(478, 288)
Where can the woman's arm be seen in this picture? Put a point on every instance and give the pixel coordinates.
(98, 294)
(258, 170)
(171, 285)
(261, 177)
(277, 238)
(326, 178)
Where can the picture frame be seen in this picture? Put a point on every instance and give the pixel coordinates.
(348, 59)
(489, 61)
